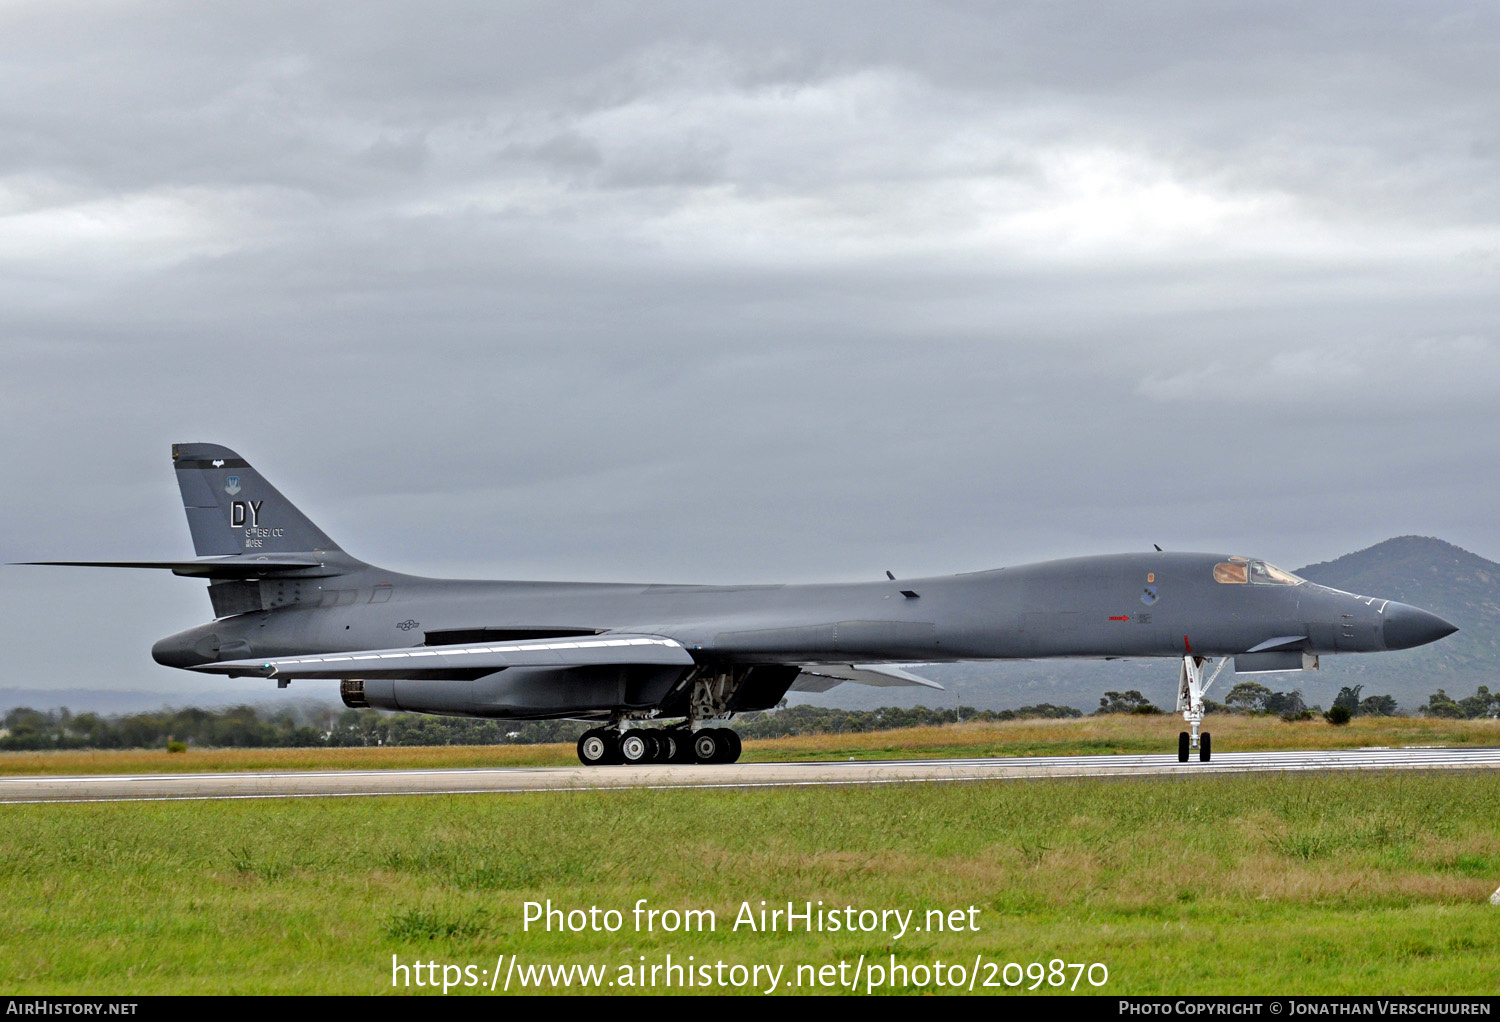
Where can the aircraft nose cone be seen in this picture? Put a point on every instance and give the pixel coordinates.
(1407, 626)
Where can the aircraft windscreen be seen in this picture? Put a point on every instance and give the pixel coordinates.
(1230, 573)
(1262, 573)
(1238, 570)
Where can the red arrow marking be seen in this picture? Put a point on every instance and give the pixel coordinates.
(1123, 617)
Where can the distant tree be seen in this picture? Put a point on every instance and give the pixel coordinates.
(24, 718)
(1439, 705)
(1286, 703)
(1480, 704)
(1348, 698)
(1376, 706)
(1338, 714)
(1049, 711)
(1125, 702)
(1248, 697)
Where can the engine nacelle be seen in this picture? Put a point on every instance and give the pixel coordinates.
(523, 692)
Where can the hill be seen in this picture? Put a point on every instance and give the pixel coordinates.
(1436, 576)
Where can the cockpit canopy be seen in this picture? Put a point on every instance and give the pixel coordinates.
(1240, 570)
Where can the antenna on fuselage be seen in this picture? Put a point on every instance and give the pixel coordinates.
(1158, 547)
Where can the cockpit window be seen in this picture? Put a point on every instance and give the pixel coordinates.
(1226, 572)
(1238, 570)
(1268, 574)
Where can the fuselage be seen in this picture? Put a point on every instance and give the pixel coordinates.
(1120, 605)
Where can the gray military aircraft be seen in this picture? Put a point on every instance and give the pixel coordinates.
(289, 603)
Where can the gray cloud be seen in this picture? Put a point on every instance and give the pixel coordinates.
(703, 293)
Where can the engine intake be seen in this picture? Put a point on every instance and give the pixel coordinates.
(352, 691)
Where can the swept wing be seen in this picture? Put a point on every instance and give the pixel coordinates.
(467, 660)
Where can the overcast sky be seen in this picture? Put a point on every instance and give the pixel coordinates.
(708, 292)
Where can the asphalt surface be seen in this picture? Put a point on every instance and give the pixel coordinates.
(306, 784)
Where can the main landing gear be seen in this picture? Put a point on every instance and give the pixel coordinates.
(1190, 689)
(605, 745)
(692, 741)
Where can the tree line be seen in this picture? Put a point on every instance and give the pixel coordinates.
(246, 727)
(312, 725)
(1254, 698)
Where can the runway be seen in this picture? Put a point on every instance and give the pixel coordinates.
(347, 783)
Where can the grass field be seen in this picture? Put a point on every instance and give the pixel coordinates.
(1337, 883)
(1088, 735)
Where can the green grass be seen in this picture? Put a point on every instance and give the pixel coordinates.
(1322, 883)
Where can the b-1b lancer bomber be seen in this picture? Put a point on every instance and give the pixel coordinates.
(289, 604)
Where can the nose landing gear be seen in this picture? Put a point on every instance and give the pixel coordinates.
(1190, 690)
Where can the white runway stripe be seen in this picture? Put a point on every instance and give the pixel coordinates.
(294, 784)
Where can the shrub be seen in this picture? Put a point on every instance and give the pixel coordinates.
(177, 746)
(1338, 715)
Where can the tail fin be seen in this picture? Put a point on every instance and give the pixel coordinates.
(232, 510)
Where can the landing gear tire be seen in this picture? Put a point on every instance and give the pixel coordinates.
(666, 747)
(1203, 747)
(597, 747)
(708, 746)
(682, 746)
(635, 747)
(1182, 746)
(657, 741)
(732, 745)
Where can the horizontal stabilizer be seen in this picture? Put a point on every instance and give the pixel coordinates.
(469, 660)
(822, 677)
(213, 567)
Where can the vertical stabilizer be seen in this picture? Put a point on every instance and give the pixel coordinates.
(231, 509)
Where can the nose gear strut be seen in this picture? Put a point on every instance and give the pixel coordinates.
(1190, 690)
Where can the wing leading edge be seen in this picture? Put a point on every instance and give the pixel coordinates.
(465, 660)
